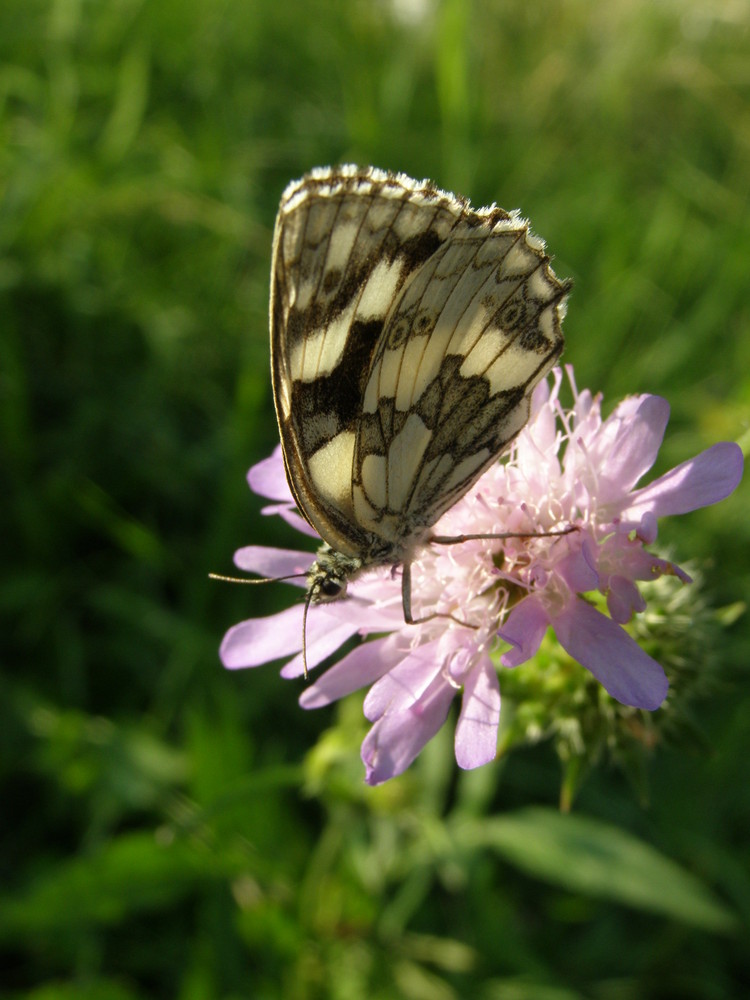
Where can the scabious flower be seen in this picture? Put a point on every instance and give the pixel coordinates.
(568, 471)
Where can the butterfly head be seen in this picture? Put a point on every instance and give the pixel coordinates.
(329, 575)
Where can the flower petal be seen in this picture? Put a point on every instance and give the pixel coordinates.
(367, 615)
(364, 665)
(524, 629)
(578, 568)
(639, 424)
(699, 482)
(647, 529)
(476, 730)
(260, 640)
(624, 599)
(292, 517)
(621, 556)
(274, 563)
(324, 634)
(406, 683)
(399, 736)
(268, 478)
(613, 657)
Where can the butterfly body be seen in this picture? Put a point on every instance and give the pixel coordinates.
(407, 334)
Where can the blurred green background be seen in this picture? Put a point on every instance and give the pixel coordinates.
(173, 830)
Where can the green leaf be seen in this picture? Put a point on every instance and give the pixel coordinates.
(590, 857)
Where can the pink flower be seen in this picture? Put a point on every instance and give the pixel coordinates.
(568, 469)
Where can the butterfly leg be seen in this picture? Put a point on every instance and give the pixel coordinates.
(406, 602)
(455, 539)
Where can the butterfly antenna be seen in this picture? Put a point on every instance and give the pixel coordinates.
(262, 579)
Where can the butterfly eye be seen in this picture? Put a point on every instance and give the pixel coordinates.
(331, 589)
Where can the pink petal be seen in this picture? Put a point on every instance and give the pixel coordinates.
(476, 730)
(292, 517)
(524, 629)
(612, 656)
(623, 557)
(260, 640)
(399, 736)
(367, 616)
(268, 478)
(364, 665)
(541, 394)
(324, 636)
(647, 529)
(406, 683)
(578, 569)
(641, 422)
(624, 599)
(699, 482)
(274, 563)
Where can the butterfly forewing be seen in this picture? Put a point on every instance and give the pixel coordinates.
(407, 333)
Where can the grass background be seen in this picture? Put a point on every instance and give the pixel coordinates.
(171, 830)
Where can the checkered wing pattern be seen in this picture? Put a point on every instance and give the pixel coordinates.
(407, 333)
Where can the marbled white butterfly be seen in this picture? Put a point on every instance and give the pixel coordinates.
(407, 334)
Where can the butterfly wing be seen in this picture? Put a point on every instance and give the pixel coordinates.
(346, 241)
(407, 332)
(467, 339)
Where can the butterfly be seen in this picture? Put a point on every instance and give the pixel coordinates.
(408, 331)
